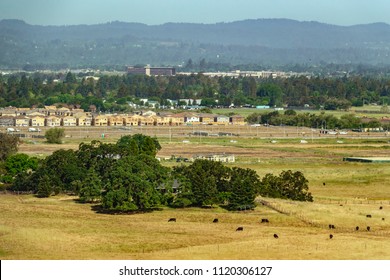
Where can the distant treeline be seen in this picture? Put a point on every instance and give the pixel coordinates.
(113, 92)
(320, 121)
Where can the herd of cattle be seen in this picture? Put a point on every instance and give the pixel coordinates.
(264, 220)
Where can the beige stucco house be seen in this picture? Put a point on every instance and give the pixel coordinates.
(37, 120)
(53, 121)
(100, 120)
(69, 121)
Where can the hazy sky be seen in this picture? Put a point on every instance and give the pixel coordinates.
(69, 12)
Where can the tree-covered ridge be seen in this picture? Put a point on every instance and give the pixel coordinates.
(126, 176)
(267, 41)
(113, 92)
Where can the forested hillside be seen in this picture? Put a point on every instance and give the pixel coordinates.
(269, 42)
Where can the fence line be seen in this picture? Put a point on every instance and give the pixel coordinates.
(353, 202)
(306, 220)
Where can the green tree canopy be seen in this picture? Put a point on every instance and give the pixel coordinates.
(244, 186)
(91, 187)
(138, 144)
(288, 185)
(206, 179)
(45, 187)
(20, 163)
(132, 184)
(63, 167)
(97, 155)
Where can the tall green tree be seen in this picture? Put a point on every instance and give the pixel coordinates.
(97, 154)
(64, 167)
(138, 144)
(244, 186)
(288, 185)
(8, 145)
(91, 187)
(273, 92)
(296, 185)
(206, 178)
(19, 163)
(249, 86)
(132, 184)
(70, 78)
(45, 187)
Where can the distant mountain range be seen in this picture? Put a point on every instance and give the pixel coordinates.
(263, 42)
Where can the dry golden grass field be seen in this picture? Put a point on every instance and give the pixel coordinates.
(60, 228)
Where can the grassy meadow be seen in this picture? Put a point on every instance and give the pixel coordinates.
(60, 228)
(366, 110)
(344, 193)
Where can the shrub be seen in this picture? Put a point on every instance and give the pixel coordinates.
(55, 135)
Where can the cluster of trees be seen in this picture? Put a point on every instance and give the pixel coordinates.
(209, 182)
(323, 121)
(11, 163)
(112, 93)
(126, 176)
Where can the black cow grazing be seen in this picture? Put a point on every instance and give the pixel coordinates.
(368, 228)
(323, 184)
(380, 208)
(383, 219)
(215, 221)
(264, 221)
(368, 216)
(172, 220)
(357, 228)
(276, 236)
(240, 229)
(330, 236)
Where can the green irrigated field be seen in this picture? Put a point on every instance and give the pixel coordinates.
(344, 193)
